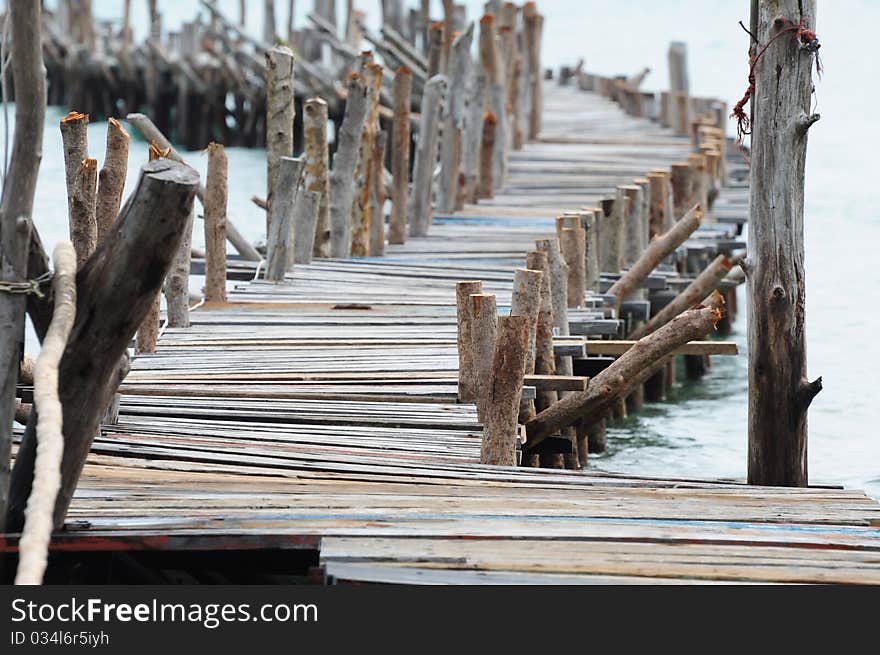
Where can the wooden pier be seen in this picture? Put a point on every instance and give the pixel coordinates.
(317, 418)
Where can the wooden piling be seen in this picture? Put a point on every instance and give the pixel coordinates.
(377, 196)
(317, 172)
(683, 189)
(489, 59)
(280, 243)
(484, 328)
(503, 399)
(486, 183)
(526, 301)
(400, 152)
(610, 239)
(111, 179)
(74, 137)
(454, 121)
(532, 28)
(464, 308)
(177, 281)
(305, 221)
(422, 210)
(280, 112)
(660, 208)
(779, 391)
(83, 226)
(474, 135)
(361, 217)
(216, 188)
(573, 244)
(342, 189)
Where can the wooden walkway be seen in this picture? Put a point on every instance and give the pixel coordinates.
(320, 413)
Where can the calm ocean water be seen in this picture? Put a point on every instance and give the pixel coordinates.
(702, 430)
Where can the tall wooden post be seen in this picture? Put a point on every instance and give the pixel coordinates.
(779, 393)
(400, 144)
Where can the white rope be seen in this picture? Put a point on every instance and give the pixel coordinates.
(259, 266)
(34, 544)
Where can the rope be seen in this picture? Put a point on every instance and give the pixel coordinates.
(257, 273)
(806, 40)
(34, 543)
(28, 287)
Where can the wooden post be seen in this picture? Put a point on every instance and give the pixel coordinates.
(74, 137)
(435, 49)
(610, 241)
(454, 121)
(489, 59)
(269, 32)
(533, 26)
(590, 223)
(215, 224)
(400, 151)
(779, 393)
(361, 217)
(526, 301)
(679, 86)
(660, 208)
(683, 189)
(280, 111)
(635, 226)
(505, 392)
(111, 179)
(558, 271)
(305, 220)
(177, 282)
(615, 381)
(421, 212)
(656, 252)
(572, 241)
(484, 329)
(318, 169)
(485, 185)
(116, 286)
(464, 309)
(377, 196)
(16, 207)
(280, 244)
(473, 134)
(83, 228)
(342, 189)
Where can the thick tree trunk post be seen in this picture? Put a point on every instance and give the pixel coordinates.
(610, 241)
(269, 32)
(148, 332)
(572, 241)
(361, 218)
(702, 287)
(305, 220)
(83, 228)
(34, 542)
(779, 393)
(215, 224)
(679, 86)
(400, 151)
(318, 169)
(684, 194)
(597, 437)
(378, 197)
(342, 189)
(659, 249)
(280, 244)
(474, 134)
(526, 301)
(448, 29)
(16, 207)
(177, 284)
(111, 179)
(635, 227)
(615, 381)
(152, 134)
(280, 112)
(558, 283)
(484, 329)
(533, 26)
(467, 392)
(486, 185)
(422, 210)
(435, 49)
(489, 60)
(116, 287)
(515, 100)
(590, 223)
(454, 121)
(74, 137)
(660, 208)
(701, 187)
(505, 391)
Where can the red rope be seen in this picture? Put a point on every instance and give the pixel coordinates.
(805, 38)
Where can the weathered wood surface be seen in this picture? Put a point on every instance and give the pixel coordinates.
(325, 408)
